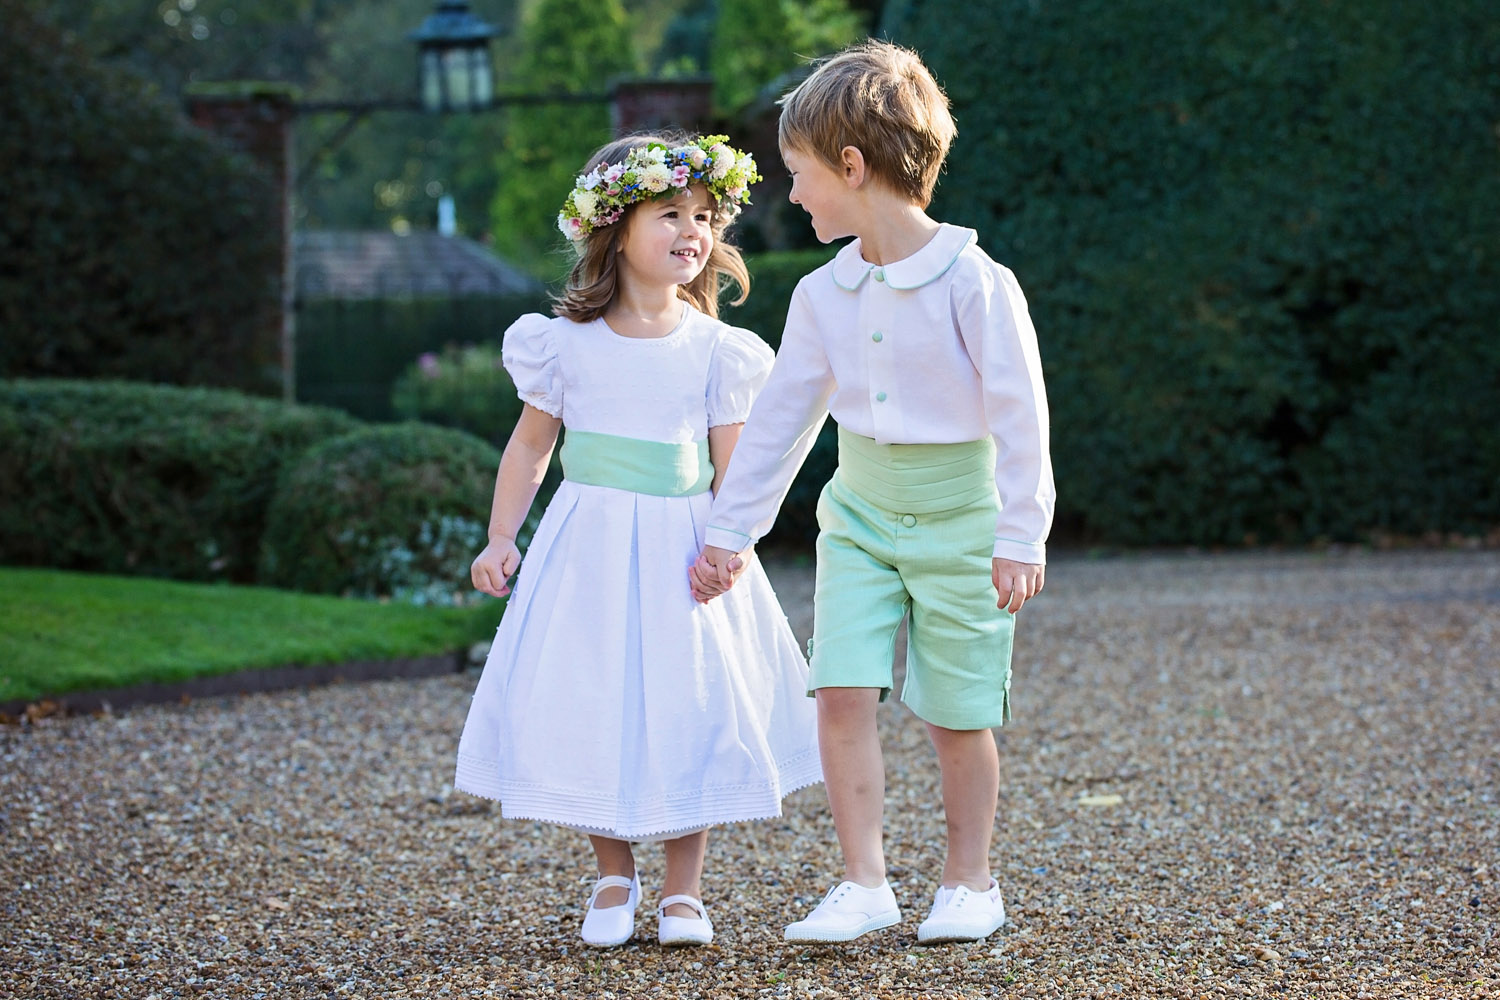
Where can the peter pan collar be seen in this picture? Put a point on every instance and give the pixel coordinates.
(927, 264)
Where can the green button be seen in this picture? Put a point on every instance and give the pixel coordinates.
(877, 336)
(879, 274)
(910, 520)
(880, 397)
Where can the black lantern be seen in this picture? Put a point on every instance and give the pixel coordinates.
(454, 48)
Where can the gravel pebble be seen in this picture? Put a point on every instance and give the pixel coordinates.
(1229, 776)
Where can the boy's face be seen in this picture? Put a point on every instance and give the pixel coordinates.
(823, 192)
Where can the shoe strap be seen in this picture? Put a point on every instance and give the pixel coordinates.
(661, 908)
(611, 882)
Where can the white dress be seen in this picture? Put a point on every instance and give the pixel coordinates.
(611, 701)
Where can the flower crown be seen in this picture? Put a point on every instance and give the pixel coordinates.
(603, 194)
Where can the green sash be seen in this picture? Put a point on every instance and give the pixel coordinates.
(653, 467)
(917, 478)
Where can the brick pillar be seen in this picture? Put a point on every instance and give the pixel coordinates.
(256, 119)
(656, 105)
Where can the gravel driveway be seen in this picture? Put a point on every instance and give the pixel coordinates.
(1246, 775)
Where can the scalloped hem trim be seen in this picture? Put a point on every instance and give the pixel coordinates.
(668, 816)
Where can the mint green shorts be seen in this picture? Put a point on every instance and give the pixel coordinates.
(909, 530)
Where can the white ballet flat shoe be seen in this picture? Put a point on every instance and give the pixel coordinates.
(610, 926)
(683, 930)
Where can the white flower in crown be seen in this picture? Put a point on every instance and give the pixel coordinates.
(697, 158)
(656, 178)
(585, 201)
(571, 228)
(613, 173)
(589, 181)
(723, 160)
(655, 154)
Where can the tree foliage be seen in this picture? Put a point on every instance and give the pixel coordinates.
(756, 41)
(1258, 248)
(574, 46)
(109, 262)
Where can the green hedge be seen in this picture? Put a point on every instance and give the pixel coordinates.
(132, 245)
(1259, 245)
(121, 477)
(350, 354)
(400, 509)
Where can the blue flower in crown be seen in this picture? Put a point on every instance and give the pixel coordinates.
(602, 195)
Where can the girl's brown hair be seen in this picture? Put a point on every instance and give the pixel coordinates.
(592, 282)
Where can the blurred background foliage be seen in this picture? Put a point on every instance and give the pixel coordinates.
(1257, 236)
(1259, 243)
(108, 265)
(391, 171)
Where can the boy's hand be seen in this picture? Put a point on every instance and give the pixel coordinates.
(714, 572)
(492, 567)
(1015, 582)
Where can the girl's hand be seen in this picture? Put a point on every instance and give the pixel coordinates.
(713, 573)
(1015, 582)
(492, 567)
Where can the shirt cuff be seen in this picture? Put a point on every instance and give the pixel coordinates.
(727, 538)
(1032, 553)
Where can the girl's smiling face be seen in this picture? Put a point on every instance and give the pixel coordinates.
(667, 241)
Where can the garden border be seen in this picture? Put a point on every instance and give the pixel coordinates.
(239, 682)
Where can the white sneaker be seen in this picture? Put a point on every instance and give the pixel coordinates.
(848, 911)
(672, 930)
(605, 927)
(962, 914)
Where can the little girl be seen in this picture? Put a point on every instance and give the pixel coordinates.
(612, 703)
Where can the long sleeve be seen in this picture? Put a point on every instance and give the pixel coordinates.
(996, 328)
(781, 430)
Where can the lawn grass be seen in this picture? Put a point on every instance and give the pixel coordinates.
(67, 632)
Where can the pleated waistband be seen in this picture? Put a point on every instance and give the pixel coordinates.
(657, 468)
(917, 478)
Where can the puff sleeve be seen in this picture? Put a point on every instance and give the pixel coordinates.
(529, 353)
(741, 364)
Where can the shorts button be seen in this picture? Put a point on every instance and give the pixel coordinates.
(910, 520)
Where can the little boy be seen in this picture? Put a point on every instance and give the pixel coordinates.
(922, 348)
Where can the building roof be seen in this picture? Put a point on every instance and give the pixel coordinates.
(338, 264)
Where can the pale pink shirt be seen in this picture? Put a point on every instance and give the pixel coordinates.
(937, 348)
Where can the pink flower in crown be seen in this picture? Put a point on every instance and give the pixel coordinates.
(681, 175)
(571, 228)
(697, 157)
(613, 173)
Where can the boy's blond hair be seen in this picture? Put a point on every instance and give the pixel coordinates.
(880, 99)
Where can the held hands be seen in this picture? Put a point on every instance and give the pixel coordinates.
(492, 567)
(1015, 582)
(714, 572)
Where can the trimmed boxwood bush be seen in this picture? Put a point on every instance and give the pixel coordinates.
(1259, 246)
(121, 477)
(397, 510)
(464, 387)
